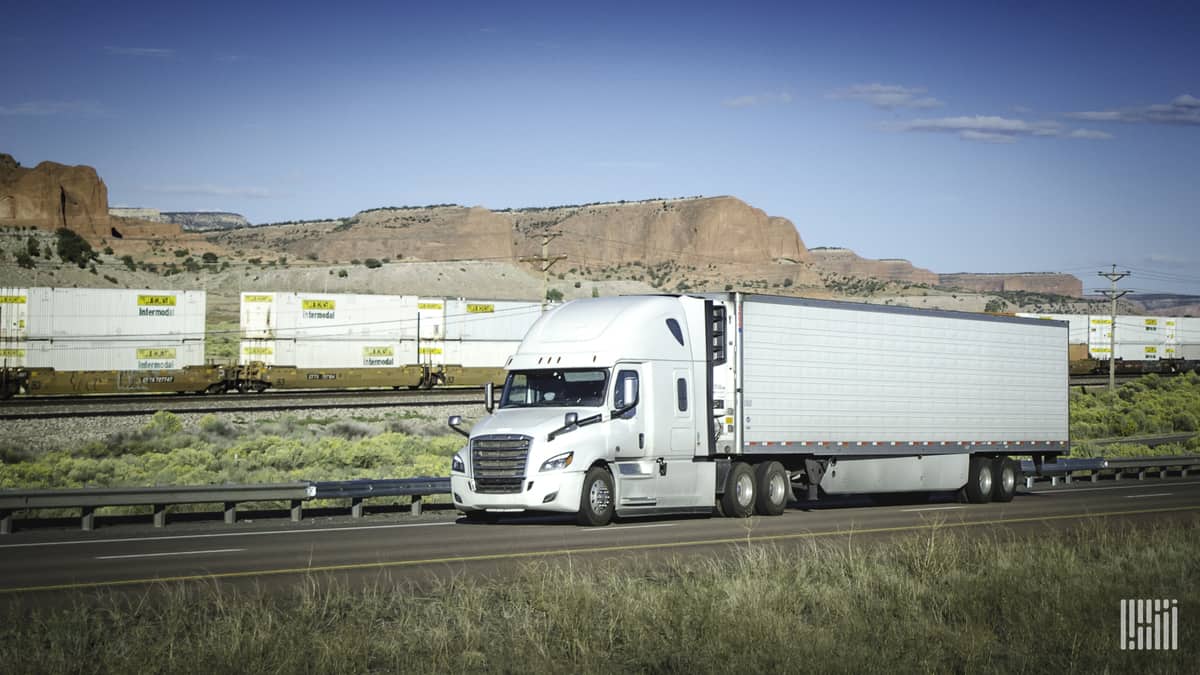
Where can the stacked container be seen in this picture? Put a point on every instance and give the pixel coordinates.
(94, 329)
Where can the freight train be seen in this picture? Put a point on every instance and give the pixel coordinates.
(61, 341)
(71, 341)
(1143, 344)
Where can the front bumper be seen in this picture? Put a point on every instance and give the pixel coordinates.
(550, 491)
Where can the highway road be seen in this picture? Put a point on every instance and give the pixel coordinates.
(276, 553)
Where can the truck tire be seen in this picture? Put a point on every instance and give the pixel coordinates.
(771, 490)
(596, 498)
(739, 497)
(1005, 475)
(979, 480)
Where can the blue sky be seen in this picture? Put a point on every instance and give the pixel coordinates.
(962, 136)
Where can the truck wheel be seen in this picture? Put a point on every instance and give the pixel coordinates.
(738, 500)
(771, 489)
(979, 481)
(1005, 474)
(596, 501)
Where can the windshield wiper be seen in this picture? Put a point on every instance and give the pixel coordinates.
(572, 425)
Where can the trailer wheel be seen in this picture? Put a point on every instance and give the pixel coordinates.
(738, 500)
(979, 481)
(596, 499)
(1005, 475)
(771, 490)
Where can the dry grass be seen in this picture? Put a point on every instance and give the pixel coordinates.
(942, 601)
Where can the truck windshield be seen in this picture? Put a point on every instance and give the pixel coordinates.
(554, 388)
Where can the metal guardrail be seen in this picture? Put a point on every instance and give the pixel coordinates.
(89, 499)
(1097, 469)
(229, 496)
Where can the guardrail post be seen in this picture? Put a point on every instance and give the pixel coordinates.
(1141, 474)
(160, 515)
(87, 518)
(5, 522)
(297, 510)
(1119, 474)
(1028, 482)
(1183, 472)
(230, 512)
(356, 507)
(1053, 481)
(416, 505)
(1067, 478)
(1162, 473)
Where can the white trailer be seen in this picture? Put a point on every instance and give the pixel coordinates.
(645, 405)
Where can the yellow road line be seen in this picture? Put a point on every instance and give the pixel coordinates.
(580, 551)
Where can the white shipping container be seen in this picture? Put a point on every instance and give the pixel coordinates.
(14, 313)
(103, 313)
(1078, 328)
(303, 316)
(819, 371)
(1187, 336)
(92, 355)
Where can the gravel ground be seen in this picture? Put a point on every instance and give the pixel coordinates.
(58, 434)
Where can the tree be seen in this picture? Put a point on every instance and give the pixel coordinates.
(554, 295)
(31, 245)
(26, 261)
(209, 257)
(995, 306)
(372, 263)
(73, 248)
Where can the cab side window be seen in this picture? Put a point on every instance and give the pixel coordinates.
(619, 394)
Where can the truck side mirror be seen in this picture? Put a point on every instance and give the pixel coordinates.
(455, 423)
(489, 391)
(629, 391)
(570, 419)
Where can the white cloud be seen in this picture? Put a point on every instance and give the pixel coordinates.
(887, 96)
(757, 100)
(1090, 134)
(139, 51)
(980, 128)
(1183, 110)
(48, 108)
(210, 190)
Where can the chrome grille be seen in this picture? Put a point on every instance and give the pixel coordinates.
(498, 463)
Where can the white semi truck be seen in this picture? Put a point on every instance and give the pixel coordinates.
(641, 405)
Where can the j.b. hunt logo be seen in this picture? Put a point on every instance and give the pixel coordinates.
(156, 305)
(318, 309)
(1150, 624)
(379, 356)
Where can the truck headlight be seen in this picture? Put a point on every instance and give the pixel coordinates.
(457, 465)
(558, 462)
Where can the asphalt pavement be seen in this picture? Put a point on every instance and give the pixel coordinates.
(276, 553)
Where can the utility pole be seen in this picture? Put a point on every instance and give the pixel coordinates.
(545, 261)
(1113, 295)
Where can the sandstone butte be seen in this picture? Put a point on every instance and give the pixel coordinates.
(715, 236)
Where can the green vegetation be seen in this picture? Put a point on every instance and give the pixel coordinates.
(221, 342)
(942, 601)
(372, 263)
(995, 306)
(1147, 405)
(73, 248)
(554, 295)
(219, 451)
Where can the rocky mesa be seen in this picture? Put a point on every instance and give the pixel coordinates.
(53, 195)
